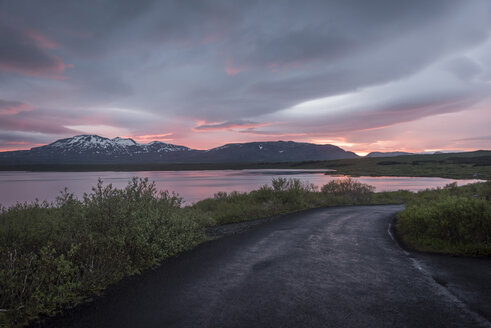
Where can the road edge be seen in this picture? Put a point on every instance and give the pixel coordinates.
(442, 286)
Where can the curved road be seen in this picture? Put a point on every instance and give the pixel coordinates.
(330, 267)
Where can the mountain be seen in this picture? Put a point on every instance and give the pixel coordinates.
(93, 149)
(275, 151)
(388, 154)
(93, 144)
(90, 149)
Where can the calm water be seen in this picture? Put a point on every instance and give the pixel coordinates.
(191, 185)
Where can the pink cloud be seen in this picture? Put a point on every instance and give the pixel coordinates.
(463, 131)
(228, 125)
(40, 39)
(274, 134)
(18, 145)
(232, 69)
(151, 137)
(53, 71)
(27, 51)
(13, 107)
(13, 123)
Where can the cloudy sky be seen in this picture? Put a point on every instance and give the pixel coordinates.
(373, 75)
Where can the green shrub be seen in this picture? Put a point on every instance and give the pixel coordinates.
(451, 224)
(350, 189)
(283, 196)
(393, 197)
(54, 254)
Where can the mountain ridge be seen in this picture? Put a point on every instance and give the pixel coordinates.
(388, 154)
(94, 149)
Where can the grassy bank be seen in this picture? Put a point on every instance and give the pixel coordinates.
(54, 255)
(453, 220)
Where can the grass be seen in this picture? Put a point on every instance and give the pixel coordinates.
(55, 255)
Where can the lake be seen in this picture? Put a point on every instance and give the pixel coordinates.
(16, 186)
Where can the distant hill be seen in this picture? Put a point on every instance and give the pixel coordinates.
(388, 154)
(462, 165)
(93, 149)
(274, 151)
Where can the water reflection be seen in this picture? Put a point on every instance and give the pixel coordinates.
(191, 185)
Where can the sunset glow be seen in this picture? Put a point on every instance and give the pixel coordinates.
(167, 137)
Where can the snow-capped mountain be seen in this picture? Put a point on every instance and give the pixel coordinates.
(93, 144)
(93, 149)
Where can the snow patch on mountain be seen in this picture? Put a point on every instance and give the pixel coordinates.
(100, 145)
(124, 141)
(219, 148)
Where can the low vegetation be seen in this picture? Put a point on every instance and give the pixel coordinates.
(54, 255)
(453, 220)
(283, 196)
(470, 165)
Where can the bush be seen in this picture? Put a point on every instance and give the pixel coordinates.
(350, 189)
(54, 254)
(284, 195)
(393, 197)
(452, 224)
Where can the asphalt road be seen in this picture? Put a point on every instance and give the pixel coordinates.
(333, 267)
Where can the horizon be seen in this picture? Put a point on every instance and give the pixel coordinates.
(366, 77)
(361, 154)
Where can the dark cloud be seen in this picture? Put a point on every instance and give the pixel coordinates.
(323, 31)
(24, 51)
(8, 107)
(82, 29)
(464, 67)
(277, 59)
(19, 137)
(26, 124)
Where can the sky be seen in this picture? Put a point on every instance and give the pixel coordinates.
(379, 75)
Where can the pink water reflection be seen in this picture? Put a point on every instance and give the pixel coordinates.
(191, 185)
